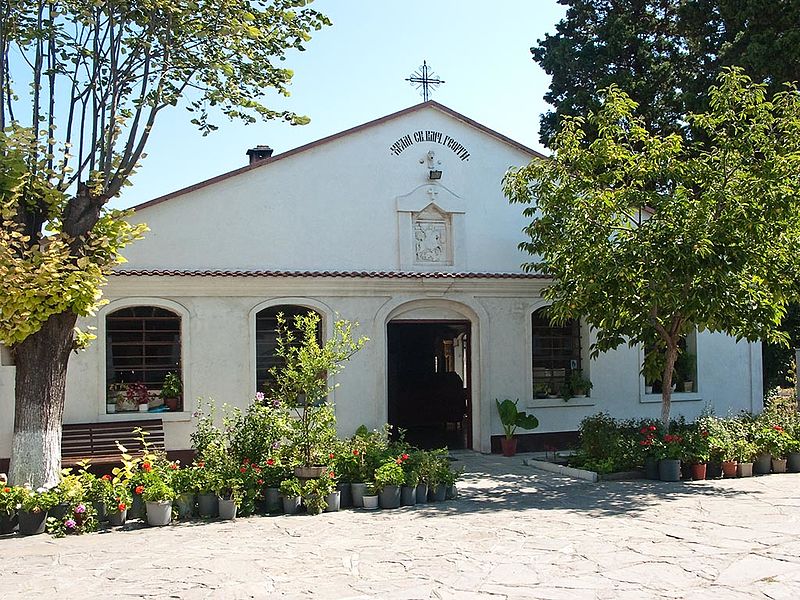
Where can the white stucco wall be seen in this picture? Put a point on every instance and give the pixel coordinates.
(346, 205)
(219, 351)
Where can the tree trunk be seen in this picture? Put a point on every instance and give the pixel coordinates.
(41, 373)
(666, 382)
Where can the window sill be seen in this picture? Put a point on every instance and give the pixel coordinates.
(560, 403)
(676, 397)
(167, 417)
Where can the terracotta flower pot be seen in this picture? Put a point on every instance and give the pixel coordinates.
(729, 468)
(698, 471)
(509, 446)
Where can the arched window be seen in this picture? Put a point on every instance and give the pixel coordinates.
(267, 338)
(143, 345)
(556, 354)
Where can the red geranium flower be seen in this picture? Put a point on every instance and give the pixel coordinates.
(270, 461)
(246, 461)
(243, 470)
(138, 489)
(257, 469)
(331, 455)
(652, 427)
(121, 506)
(147, 467)
(260, 482)
(405, 457)
(777, 428)
(331, 474)
(355, 452)
(7, 489)
(201, 464)
(106, 478)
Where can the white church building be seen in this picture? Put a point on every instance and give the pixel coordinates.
(401, 225)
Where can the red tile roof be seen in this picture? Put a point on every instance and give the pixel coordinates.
(351, 274)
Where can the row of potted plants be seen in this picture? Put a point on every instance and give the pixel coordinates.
(736, 446)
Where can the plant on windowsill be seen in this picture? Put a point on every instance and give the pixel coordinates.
(171, 391)
(579, 385)
(137, 395)
(541, 390)
(511, 418)
(684, 371)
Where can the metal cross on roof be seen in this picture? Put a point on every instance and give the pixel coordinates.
(425, 78)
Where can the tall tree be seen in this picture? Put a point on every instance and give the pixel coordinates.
(648, 236)
(81, 87)
(663, 53)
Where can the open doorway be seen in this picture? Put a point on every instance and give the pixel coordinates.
(429, 382)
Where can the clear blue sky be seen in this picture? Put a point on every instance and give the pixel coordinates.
(355, 71)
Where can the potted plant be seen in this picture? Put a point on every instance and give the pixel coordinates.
(9, 498)
(696, 452)
(292, 493)
(778, 444)
(437, 486)
(743, 452)
(138, 395)
(320, 494)
(388, 479)
(171, 391)
(370, 496)
(184, 483)
(118, 499)
(649, 447)
(579, 385)
(302, 385)
(793, 451)
(408, 492)
(229, 497)
(671, 450)
(684, 371)
(158, 496)
(541, 390)
(32, 509)
(511, 418)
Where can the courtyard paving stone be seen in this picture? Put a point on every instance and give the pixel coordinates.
(513, 533)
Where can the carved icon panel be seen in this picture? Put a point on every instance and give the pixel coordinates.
(431, 230)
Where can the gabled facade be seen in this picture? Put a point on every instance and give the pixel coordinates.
(399, 224)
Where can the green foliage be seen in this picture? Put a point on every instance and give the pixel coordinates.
(10, 496)
(302, 382)
(511, 418)
(172, 386)
(157, 490)
(39, 500)
(389, 473)
(315, 492)
(647, 237)
(665, 53)
(291, 487)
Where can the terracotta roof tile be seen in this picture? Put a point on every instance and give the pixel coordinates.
(351, 274)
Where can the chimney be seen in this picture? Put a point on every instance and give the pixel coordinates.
(258, 153)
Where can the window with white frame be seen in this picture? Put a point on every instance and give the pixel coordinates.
(684, 375)
(143, 350)
(267, 339)
(556, 355)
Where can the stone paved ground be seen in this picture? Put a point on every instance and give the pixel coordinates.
(514, 533)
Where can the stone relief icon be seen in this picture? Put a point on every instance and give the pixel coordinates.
(430, 243)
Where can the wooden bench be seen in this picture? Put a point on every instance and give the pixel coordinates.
(97, 442)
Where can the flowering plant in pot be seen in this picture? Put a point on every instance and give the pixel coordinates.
(302, 385)
(670, 450)
(32, 507)
(511, 418)
(80, 518)
(137, 394)
(117, 500)
(229, 494)
(696, 452)
(9, 498)
(158, 496)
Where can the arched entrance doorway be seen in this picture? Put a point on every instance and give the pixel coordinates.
(429, 375)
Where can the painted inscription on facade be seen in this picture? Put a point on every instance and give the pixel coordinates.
(436, 137)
